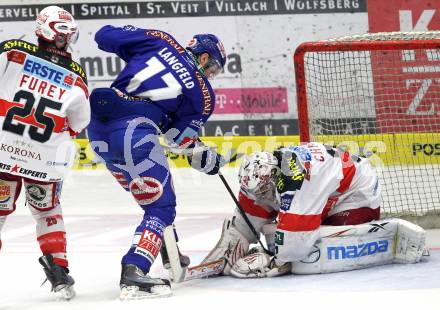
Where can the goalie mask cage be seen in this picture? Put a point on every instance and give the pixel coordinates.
(379, 96)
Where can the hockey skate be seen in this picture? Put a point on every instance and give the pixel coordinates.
(62, 283)
(137, 285)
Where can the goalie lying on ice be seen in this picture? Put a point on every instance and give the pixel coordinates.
(327, 205)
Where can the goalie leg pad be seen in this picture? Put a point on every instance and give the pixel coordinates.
(410, 243)
(232, 246)
(343, 248)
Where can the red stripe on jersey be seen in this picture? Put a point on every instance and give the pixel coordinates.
(353, 217)
(60, 122)
(298, 222)
(331, 202)
(348, 171)
(79, 82)
(253, 209)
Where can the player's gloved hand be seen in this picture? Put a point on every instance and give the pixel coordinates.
(205, 159)
(258, 264)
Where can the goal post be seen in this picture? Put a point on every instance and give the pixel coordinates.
(379, 95)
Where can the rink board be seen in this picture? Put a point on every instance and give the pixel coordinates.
(383, 149)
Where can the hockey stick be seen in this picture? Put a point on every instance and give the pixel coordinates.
(205, 270)
(243, 214)
(240, 209)
(179, 273)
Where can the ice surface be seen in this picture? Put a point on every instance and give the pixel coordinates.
(100, 219)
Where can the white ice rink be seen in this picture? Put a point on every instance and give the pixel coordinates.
(100, 219)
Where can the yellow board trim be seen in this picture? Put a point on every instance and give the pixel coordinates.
(385, 149)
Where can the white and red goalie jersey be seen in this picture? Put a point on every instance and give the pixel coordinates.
(43, 100)
(321, 186)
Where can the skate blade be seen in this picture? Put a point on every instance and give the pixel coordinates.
(133, 293)
(65, 292)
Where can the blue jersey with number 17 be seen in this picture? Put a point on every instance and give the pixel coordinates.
(160, 69)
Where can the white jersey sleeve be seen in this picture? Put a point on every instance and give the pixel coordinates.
(43, 96)
(329, 180)
(78, 113)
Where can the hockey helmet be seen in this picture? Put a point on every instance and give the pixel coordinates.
(211, 44)
(258, 172)
(55, 23)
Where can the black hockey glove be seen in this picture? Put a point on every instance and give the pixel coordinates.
(206, 160)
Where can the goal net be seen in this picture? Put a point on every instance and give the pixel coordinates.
(379, 95)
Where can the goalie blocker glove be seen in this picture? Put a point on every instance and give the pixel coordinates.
(206, 160)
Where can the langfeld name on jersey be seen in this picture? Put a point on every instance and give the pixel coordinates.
(45, 78)
(178, 67)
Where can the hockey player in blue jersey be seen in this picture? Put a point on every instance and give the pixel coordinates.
(163, 89)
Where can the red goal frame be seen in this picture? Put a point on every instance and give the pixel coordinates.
(334, 46)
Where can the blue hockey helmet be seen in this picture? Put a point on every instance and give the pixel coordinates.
(211, 44)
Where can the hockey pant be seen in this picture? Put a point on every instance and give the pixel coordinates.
(136, 159)
(42, 199)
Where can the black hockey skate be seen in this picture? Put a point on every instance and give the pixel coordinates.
(62, 283)
(184, 260)
(135, 284)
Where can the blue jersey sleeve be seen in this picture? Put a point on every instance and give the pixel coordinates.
(124, 41)
(192, 114)
(183, 97)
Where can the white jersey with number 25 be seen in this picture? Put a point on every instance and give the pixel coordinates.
(43, 99)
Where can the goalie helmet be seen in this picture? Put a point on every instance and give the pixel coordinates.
(55, 23)
(258, 173)
(211, 44)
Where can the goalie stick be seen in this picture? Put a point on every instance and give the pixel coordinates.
(240, 209)
(179, 273)
(243, 214)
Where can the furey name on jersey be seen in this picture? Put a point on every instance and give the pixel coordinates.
(45, 78)
(23, 171)
(43, 72)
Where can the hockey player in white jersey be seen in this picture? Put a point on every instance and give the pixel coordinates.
(327, 205)
(43, 101)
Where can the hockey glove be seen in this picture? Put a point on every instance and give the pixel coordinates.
(258, 264)
(205, 159)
